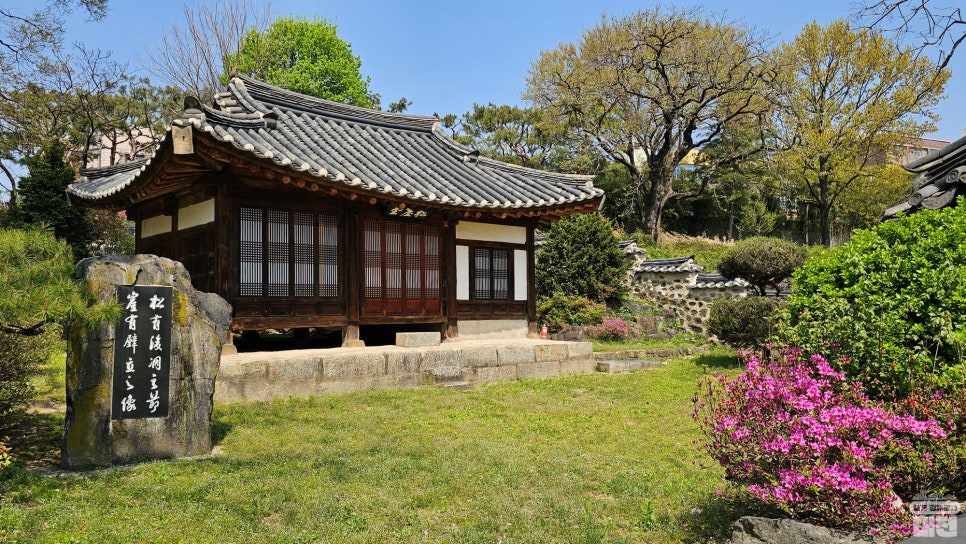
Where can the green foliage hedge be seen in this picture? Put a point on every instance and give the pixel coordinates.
(581, 256)
(892, 300)
(559, 310)
(764, 262)
(744, 322)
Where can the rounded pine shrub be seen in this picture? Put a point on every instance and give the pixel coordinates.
(582, 257)
(744, 322)
(762, 261)
(893, 300)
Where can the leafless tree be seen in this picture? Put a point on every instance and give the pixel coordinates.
(192, 56)
(28, 40)
(935, 28)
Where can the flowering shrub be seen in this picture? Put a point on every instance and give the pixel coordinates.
(5, 459)
(805, 440)
(610, 329)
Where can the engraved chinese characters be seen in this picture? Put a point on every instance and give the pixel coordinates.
(142, 353)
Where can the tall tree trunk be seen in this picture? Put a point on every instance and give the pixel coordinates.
(13, 184)
(731, 220)
(652, 203)
(824, 208)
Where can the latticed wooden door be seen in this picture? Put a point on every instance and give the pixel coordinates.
(402, 269)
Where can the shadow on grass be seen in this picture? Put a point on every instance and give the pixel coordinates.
(219, 429)
(34, 438)
(719, 359)
(713, 517)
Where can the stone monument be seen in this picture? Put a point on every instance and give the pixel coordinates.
(142, 388)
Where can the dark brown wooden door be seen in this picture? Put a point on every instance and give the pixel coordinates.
(401, 269)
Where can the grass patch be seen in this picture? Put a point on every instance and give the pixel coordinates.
(49, 381)
(684, 340)
(596, 458)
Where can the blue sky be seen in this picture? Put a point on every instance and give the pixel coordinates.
(444, 55)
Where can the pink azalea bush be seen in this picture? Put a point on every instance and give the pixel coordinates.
(611, 328)
(803, 439)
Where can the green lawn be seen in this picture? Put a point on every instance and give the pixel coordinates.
(597, 458)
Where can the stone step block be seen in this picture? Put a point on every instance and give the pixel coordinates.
(417, 339)
(628, 365)
(443, 373)
(459, 386)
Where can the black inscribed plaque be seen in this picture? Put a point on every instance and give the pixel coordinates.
(142, 352)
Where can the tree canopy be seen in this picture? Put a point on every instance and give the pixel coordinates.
(848, 97)
(649, 88)
(305, 56)
(44, 203)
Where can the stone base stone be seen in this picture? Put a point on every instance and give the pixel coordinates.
(417, 339)
(261, 376)
(486, 329)
(629, 365)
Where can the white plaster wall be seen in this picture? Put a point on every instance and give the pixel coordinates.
(466, 230)
(462, 273)
(197, 214)
(492, 328)
(519, 274)
(152, 226)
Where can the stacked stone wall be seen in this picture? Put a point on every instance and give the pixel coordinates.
(678, 293)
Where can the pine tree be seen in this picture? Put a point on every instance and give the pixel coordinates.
(43, 201)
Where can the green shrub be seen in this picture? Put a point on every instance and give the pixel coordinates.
(893, 299)
(763, 262)
(582, 257)
(744, 322)
(42, 200)
(20, 359)
(559, 310)
(38, 292)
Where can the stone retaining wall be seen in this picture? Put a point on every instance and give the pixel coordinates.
(259, 376)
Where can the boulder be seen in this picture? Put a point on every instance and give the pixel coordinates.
(199, 326)
(756, 530)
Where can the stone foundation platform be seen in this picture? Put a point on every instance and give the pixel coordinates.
(246, 377)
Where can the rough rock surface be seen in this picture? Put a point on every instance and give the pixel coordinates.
(199, 326)
(756, 530)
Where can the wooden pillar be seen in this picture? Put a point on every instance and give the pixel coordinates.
(171, 208)
(531, 282)
(226, 238)
(352, 255)
(133, 215)
(451, 329)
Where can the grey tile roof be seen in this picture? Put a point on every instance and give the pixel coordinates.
(367, 151)
(940, 178)
(675, 264)
(712, 281)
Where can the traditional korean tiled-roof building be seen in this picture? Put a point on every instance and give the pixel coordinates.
(940, 178)
(303, 212)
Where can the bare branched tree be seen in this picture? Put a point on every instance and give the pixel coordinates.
(935, 28)
(27, 40)
(194, 54)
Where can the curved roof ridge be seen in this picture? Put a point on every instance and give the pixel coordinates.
(102, 171)
(465, 152)
(270, 95)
